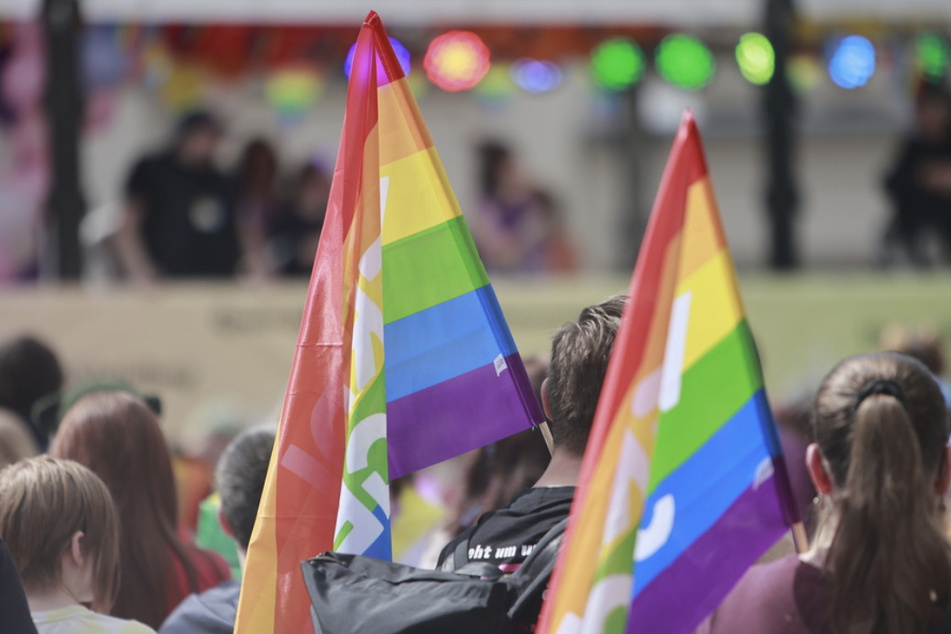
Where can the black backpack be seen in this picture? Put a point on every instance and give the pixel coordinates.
(352, 593)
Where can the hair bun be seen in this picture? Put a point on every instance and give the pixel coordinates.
(878, 387)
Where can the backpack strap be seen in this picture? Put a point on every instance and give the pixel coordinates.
(536, 570)
(460, 556)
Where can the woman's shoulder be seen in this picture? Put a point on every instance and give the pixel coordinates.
(79, 620)
(764, 601)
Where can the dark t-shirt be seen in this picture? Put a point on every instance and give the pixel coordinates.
(505, 537)
(14, 611)
(211, 612)
(292, 240)
(914, 203)
(189, 223)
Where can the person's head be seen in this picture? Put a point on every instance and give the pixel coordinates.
(239, 478)
(881, 431)
(196, 138)
(579, 360)
(923, 343)
(311, 191)
(61, 526)
(16, 442)
(933, 112)
(118, 437)
(29, 370)
(496, 166)
(257, 169)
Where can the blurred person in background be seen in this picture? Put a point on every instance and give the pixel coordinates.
(552, 251)
(179, 219)
(924, 344)
(505, 225)
(239, 478)
(16, 442)
(118, 437)
(880, 562)
(294, 235)
(63, 532)
(257, 202)
(29, 371)
(919, 182)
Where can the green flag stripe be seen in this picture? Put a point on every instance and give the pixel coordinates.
(712, 391)
(428, 268)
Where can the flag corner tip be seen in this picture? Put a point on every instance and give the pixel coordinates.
(372, 17)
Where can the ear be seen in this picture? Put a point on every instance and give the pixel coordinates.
(545, 406)
(817, 471)
(943, 479)
(225, 526)
(75, 550)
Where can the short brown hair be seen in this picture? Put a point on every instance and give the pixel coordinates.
(43, 502)
(579, 359)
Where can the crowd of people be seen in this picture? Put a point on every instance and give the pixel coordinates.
(183, 217)
(92, 539)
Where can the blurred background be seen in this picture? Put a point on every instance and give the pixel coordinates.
(826, 125)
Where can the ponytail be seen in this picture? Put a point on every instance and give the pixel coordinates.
(889, 560)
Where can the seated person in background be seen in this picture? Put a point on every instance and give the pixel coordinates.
(63, 531)
(579, 360)
(240, 477)
(118, 437)
(880, 562)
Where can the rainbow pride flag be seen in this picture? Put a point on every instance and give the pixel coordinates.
(683, 474)
(404, 358)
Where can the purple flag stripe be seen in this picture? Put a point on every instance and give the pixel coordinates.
(464, 413)
(711, 566)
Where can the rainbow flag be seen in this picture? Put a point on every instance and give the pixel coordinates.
(403, 360)
(683, 474)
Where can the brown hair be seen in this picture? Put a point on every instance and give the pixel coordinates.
(579, 359)
(43, 503)
(117, 436)
(881, 426)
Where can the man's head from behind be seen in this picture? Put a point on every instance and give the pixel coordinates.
(240, 477)
(579, 359)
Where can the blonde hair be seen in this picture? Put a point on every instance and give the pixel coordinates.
(43, 502)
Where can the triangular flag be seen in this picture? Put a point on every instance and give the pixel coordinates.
(404, 358)
(683, 485)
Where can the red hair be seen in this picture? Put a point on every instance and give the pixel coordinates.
(118, 437)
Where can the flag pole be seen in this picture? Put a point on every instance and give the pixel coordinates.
(546, 434)
(800, 539)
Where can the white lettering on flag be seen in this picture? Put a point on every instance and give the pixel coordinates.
(674, 353)
(652, 537)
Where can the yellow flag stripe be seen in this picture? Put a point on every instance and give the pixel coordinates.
(418, 196)
(715, 308)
